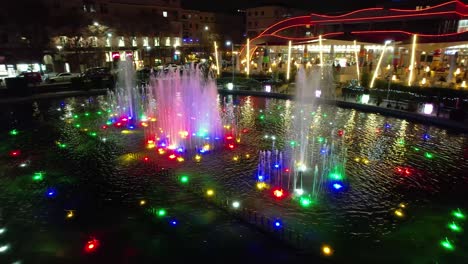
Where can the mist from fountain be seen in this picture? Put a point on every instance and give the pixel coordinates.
(308, 160)
(126, 101)
(186, 107)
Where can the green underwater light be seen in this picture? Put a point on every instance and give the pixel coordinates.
(446, 244)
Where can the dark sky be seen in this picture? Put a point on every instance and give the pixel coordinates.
(312, 5)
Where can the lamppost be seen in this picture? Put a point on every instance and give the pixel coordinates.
(229, 43)
(390, 76)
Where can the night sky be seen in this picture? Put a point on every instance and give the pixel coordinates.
(312, 5)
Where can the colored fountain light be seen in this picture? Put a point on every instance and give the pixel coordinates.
(261, 185)
(91, 245)
(305, 201)
(13, 132)
(15, 153)
(161, 212)
(187, 107)
(428, 155)
(299, 192)
(197, 158)
(277, 224)
(70, 214)
(4, 248)
(458, 214)
(51, 192)
(173, 222)
(426, 136)
(38, 176)
(454, 227)
(184, 179)
(337, 186)
(279, 193)
(340, 133)
(447, 244)
(327, 250)
(399, 213)
(210, 192)
(2, 230)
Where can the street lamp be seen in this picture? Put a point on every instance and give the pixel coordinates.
(206, 28)
(96, 23)
(229, 43)
(388, 42)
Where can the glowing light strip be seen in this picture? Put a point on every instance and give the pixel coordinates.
(291, 26)
(357, 63)
(216, 56)
(286, 20)
(305, 38)
(389, 17)
(378, 66)
(413, 52)
(321, 50)
(289, 60)
(431, 7)
(408, 33)
(248, 57)
(350, 13)
(357, 11)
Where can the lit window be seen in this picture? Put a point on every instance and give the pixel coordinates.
(168, 42)
(121, 42)
(176, 42)
(134, 42)
(156, 42)
(108, 41)
(145, 41)
(164, 13)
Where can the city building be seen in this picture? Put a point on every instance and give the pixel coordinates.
(260, 18)
(201, 29)
(441, 42)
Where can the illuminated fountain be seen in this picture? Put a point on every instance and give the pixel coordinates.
(309, 161)
(185, 102)
(126, 102)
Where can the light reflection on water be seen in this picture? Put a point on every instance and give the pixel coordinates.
(363, 210)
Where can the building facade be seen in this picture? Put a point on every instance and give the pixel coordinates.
(260, 18)
(72, 35)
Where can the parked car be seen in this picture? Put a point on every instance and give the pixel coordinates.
(62, 77)
(100, 76)
(31, 77)
(95, 73)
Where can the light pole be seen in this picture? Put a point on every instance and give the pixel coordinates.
(391, 67)
(229, 43)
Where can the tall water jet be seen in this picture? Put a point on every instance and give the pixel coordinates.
(126, 101)
(186, 108)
